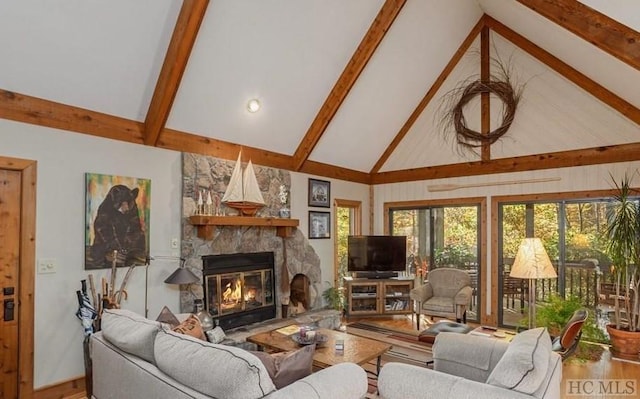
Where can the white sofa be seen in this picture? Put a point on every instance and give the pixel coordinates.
(469, 366)
(134, 357)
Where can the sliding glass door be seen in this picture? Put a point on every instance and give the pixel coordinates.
(570, 231)
(441, 236)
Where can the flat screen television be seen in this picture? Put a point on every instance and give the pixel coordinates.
(377, 256)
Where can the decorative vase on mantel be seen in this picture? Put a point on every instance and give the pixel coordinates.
(284, 212)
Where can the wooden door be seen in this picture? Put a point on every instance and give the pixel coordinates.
(10, 205)
(18, 182)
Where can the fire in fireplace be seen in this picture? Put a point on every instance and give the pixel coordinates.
(239, 288)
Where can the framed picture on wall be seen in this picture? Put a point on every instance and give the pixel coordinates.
(319, 224)
(319, 193)
(117, 214)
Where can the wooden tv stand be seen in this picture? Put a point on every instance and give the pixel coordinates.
(368, 297)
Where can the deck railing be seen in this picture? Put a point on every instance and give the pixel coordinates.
(581, 280)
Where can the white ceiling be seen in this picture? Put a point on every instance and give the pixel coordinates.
(106, 56)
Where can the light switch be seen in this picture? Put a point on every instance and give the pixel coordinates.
(47, 265)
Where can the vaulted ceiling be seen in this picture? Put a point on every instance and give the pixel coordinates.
(352, 90)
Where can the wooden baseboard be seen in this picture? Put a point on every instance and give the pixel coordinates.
(71, 389)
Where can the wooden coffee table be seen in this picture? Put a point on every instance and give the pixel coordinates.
(357, 349)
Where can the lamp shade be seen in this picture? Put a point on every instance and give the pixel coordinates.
(532, 261)
(182, 275)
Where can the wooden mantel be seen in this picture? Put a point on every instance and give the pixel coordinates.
(206, 224)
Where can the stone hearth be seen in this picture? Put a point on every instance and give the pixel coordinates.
(208, 173)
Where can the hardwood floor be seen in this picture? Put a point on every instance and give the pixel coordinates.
(580, 379)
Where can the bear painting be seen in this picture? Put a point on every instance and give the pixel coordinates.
(117, 221)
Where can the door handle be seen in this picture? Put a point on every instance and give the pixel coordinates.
(9, 305)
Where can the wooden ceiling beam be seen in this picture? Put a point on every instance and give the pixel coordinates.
(175, 62)
(36, 111)
(601, 93)
(335, 172)
(185, 142)
(598, 29)
(429, 96)
(485, 98)
(180, 141)
(367, 47)
(553, 160)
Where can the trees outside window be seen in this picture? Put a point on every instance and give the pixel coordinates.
(571, 231)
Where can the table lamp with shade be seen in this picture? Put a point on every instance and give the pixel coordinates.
(182, 275)
(532, 263)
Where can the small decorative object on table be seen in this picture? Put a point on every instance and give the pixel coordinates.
(203, 315)
(308, 336)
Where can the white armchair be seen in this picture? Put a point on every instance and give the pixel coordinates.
(468, 366)
(446, 293)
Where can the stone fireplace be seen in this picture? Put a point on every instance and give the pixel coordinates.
(292, 255)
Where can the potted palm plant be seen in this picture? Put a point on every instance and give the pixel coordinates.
(623, 246)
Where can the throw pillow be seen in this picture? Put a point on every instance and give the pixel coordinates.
(524, 364)
(130, 332)
(166, 316)
(285, 368)
(191, 326)
(216, 335)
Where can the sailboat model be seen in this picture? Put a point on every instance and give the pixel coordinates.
(243, 192)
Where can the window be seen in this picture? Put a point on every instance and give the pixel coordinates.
(348, 221)
(442, 236)
(571, 232)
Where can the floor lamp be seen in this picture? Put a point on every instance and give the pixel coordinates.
(532, 263)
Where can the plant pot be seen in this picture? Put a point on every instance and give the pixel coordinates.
(624, 344)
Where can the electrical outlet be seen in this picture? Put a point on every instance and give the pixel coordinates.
(47, 265)
(175, 243)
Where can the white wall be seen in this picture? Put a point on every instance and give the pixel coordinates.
(585, 178)
(63, 159)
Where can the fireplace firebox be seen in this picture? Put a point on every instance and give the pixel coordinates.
(239, 289)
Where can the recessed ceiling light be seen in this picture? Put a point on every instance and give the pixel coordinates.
(253, 105)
